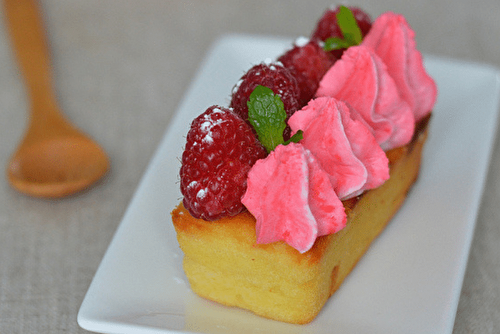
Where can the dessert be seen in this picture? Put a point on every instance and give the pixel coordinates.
(285, 189)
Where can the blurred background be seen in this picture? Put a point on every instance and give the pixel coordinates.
(120, 69)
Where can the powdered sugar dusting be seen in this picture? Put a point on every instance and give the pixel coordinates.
(201, 193)
(301, 41)
(272, 63)
(237, 86)
(268, 61)
(209, 123)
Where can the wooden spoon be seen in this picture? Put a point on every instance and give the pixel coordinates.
(54, 159)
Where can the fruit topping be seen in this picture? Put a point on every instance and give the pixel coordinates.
(338, 29)
(220, 150)
(308, 62)
(271, 75)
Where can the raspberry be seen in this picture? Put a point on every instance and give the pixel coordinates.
(273, 76)
(327, 26)
(220, 150)
(308, 62)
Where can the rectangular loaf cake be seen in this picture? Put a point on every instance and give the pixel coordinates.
(223, 262)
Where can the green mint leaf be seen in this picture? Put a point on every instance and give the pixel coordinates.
(350, 31)
(335, 43)
(295, 138)
(348, 25)
(267, 115)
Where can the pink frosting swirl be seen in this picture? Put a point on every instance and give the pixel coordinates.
(393, 40)
(292, 199)
(360, 79)
(366, 103)
(344, 147)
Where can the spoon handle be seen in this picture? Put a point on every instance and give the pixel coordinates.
(29, 41)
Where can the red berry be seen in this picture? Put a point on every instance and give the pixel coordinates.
(220, 150)
(327, 25)
(273, 76)
(308, 62)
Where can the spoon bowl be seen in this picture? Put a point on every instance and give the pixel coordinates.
(55, 159)
(57, 167)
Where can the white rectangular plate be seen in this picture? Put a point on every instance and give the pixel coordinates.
(410, 279)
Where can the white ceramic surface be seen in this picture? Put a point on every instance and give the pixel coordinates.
(408, 282)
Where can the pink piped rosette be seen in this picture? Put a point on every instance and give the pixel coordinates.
(367, 103)
(361, 80)
(344, 147)
(291, 172)
(393, 40)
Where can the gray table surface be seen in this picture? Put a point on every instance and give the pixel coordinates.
(121, 68)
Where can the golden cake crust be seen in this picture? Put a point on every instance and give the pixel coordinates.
(223, 262)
